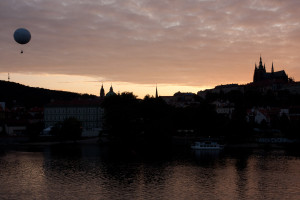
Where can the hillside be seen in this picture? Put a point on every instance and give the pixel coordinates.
(17, 94)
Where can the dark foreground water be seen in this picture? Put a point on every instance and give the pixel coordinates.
(93, 172)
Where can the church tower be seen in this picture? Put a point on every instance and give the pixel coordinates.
(259, 71)
(111, 92)
(260, 63)
(102, 93)
(156, 93)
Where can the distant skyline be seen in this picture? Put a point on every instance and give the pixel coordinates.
(179, 45)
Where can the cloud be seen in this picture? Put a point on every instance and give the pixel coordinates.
(145, 41)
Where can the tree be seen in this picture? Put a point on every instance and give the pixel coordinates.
(122, 116)
(69, 129)
(35, 129)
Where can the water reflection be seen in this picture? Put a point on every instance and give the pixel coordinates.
(94, 172)
(22, 170)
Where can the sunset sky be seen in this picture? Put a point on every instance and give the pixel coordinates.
(180, 45)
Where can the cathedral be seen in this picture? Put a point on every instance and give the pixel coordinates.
(260, 74)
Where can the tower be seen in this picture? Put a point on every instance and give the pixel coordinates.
(111, 92)
(260, 62)
(259, 71)
(102, 93)
(156, 93)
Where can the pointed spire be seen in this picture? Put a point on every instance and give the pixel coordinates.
(111, 88)
(156, 94)
(272, 70)
(260, 66)
(102, 93)
(111, 91)
(260, 58)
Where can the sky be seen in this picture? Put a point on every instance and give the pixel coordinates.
(134, 45)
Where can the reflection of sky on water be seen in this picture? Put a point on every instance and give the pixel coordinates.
(93, 172)
(22, 171)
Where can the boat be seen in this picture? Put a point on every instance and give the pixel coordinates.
(209, 145)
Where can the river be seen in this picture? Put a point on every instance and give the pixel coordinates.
(90, 171)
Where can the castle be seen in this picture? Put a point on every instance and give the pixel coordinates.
(260, 74)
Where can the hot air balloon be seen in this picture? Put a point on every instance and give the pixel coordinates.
(22, 36)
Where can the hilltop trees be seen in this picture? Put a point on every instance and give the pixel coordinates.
(14, 93)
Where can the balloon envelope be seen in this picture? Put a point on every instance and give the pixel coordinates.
(22, 36)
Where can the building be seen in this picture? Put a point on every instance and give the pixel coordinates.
(2, 112)
(224, 108)
(260, 74)
(102, 93)
(222, 88)
(181, 99)
(258, 115)
(89, 112)
(262, 80)
(15, 127)
(111, 92)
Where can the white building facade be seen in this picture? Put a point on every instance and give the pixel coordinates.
(88, 112)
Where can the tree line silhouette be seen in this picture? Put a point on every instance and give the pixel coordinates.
(153, 121)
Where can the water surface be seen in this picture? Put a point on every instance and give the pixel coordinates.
(94, 172)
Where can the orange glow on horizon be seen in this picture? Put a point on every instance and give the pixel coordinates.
(88, 85)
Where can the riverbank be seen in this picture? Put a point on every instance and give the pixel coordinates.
(177, 142)
(23, 140)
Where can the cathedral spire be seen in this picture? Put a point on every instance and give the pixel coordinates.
(260, 59)
(156, 94)
(272, 70)
(260, 66)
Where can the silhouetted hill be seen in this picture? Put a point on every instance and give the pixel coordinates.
(17, 94)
